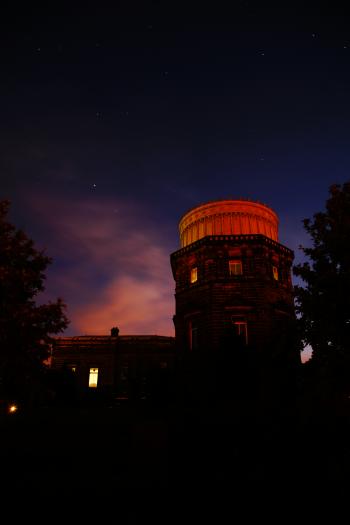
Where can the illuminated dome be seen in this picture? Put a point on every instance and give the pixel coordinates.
(228, 217)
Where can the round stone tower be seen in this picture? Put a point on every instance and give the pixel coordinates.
(232, 274)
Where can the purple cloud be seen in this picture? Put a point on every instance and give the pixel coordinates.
(111, 265)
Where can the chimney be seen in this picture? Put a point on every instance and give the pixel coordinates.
(114, 331)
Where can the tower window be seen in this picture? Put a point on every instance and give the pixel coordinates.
(194, 275)
(193, 335)
(241, 330)
(275, 272)
(235, 267)
(93, 377)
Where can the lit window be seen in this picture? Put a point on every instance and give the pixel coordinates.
(193, 335)
(93, 376)
(235, 267)
(194, 275)
(275, 272)
(241, 330)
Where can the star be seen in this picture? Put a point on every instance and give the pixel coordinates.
(94, 186)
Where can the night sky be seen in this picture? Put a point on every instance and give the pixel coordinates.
(114, 122)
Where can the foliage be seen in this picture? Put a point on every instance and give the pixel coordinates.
(25, 327)
(323, 304)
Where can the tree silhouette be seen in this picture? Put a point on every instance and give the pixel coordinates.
(25, 327)
(323, 305)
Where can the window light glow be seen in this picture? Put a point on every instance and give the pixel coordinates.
(93, 377)
(235, 267)
(275, 272)
(194, 275)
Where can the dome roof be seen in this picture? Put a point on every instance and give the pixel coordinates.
(228, 217)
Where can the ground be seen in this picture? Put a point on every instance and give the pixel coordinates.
(140, 447)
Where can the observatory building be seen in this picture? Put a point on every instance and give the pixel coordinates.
(232, 277)
(233, 291)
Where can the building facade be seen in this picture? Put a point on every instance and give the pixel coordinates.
(232, 275)
(234, 305)
(114, 367)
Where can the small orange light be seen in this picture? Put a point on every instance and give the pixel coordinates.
(13, 409)
(275, 272)
(194, 275)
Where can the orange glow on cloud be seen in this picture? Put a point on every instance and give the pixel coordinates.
(132, 304)
(111, 266)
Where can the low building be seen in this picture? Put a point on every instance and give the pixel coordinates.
(113, 367)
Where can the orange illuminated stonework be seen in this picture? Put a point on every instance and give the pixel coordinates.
(228, 217)
(243, 279)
